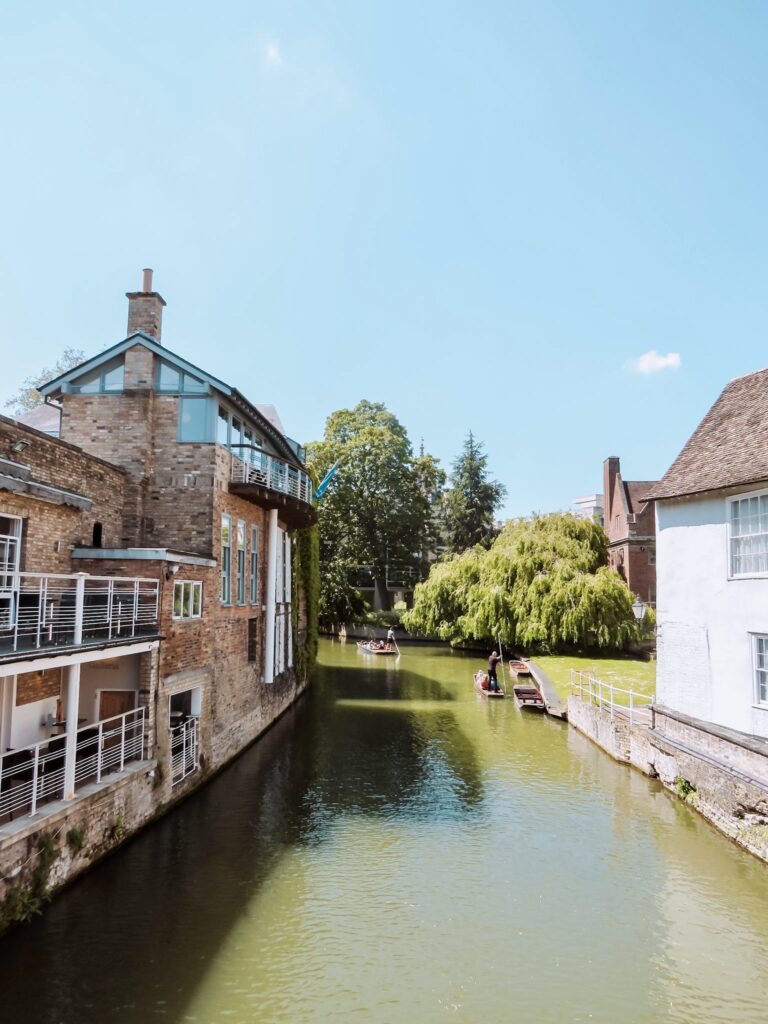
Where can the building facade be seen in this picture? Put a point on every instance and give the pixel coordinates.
(150, 624)
(630, 524)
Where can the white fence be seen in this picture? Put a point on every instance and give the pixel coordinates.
(33, 775)
(621, 703)
(46, 610)
(268, 471)
(184, 750)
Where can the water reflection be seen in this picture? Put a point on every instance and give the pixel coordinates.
(396, 848)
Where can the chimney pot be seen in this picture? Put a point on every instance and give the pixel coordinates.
(147, 280)
(145, 309)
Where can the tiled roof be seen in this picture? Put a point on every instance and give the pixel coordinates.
(636, 492)
(729, 448)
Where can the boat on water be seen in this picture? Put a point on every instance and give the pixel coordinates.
(481, 685)
(528, 698)
(519, 668)
(371, 647)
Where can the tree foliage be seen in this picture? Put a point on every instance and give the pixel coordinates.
(471, 501)
(543, 584)
(379, 507)
(28, 396)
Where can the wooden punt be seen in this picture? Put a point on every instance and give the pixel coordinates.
(365, 646)
(528, 698)
(519, 668)
(479, 677)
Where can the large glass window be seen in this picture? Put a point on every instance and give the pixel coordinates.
(240, 562)
(106, 378)
(187, 599)
(168, 377)
(254, 565)
(193, 419)
(749, 535)
(226, 560)
(761, 668)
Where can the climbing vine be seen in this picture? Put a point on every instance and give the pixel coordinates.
(306, 573)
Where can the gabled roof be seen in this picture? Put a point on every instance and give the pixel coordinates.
(636, 491)
(278, 438)
(729, 448)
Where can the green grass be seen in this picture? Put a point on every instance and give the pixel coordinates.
(627, 673)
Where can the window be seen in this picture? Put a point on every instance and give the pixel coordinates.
(226, 560)
(187, 599)
(617, 523)
(171, 379)
(253, 634)
(254, 565)
(193, 420)
(104, 379)
(651, 556)
(749, 535)
(241, 562)
(760, 655)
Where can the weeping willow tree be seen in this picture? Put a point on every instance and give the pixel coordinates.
(544, 584)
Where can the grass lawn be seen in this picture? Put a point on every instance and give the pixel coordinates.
(627, 673)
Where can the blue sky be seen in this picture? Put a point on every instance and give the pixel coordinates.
(480, 214)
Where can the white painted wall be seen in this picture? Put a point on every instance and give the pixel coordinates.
(705, 620)
(27, 727)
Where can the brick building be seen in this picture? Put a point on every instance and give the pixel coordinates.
(630, 522)
(149, 623)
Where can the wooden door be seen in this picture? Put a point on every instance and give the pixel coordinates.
(116, 702)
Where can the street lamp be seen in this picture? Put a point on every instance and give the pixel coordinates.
(638, 609)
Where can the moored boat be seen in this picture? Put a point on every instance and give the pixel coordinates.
(481, 685)
(370, 647)
(528, 698)
(519, 668)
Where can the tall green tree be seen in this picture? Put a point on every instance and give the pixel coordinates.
(378, 509)
(472, 499)
(543, 584)
(28, 396)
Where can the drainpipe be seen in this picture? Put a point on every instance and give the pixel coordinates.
(73, 694)
(269, 626)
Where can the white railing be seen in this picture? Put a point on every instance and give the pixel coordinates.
(184, 750)
(268, 471)
(45, 610)
(621, 703)
(33, 775)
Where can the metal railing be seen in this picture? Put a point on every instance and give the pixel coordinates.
(269, 471)
(34, 775)
(184, 750)
(46, 610)
(626, 704)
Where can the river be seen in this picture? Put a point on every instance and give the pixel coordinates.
(398, 848)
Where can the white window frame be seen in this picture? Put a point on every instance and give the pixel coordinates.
(758, 701)
(241, 551)
(195, 586)
(254, 565)
(763, 492)
(225, 572)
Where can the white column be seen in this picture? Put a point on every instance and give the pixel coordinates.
(71, 714)
(73, 695)
(269, 624)
(7, 703)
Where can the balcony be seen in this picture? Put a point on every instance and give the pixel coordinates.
(54, 613)
(273, 483)
(39, 774)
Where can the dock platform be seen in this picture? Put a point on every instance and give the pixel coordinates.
(556, 707)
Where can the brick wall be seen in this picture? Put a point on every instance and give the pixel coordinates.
(34, 686)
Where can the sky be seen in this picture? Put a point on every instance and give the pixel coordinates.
(542, 221)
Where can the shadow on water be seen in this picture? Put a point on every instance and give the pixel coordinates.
(131, 940)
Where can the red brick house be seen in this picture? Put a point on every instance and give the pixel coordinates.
(149, 623)
(630, 522)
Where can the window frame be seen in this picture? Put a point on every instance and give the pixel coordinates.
(225, 572)
(729, 503)
(195, 586)
(118, 362)
(758, 702)
(254, 566)
(241, 561)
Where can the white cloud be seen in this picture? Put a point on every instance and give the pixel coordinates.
(273, 55)
(652, 362)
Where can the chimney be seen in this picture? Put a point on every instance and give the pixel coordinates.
(611, 469)
(145, 309)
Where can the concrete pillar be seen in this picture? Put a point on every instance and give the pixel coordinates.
(71, 715)
(269, 624)
(7, 704)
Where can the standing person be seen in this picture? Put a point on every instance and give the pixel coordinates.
(493, 660)
(390, 636)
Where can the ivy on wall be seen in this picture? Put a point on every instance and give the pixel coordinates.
(306, 574)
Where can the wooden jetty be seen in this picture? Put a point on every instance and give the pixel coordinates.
(552, 701)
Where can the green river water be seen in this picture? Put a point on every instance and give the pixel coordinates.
(398, 848)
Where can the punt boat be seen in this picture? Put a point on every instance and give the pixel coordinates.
(481, 685)
(367, 648)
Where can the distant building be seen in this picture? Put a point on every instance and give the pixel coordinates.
(631, 527)
(589, 507)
